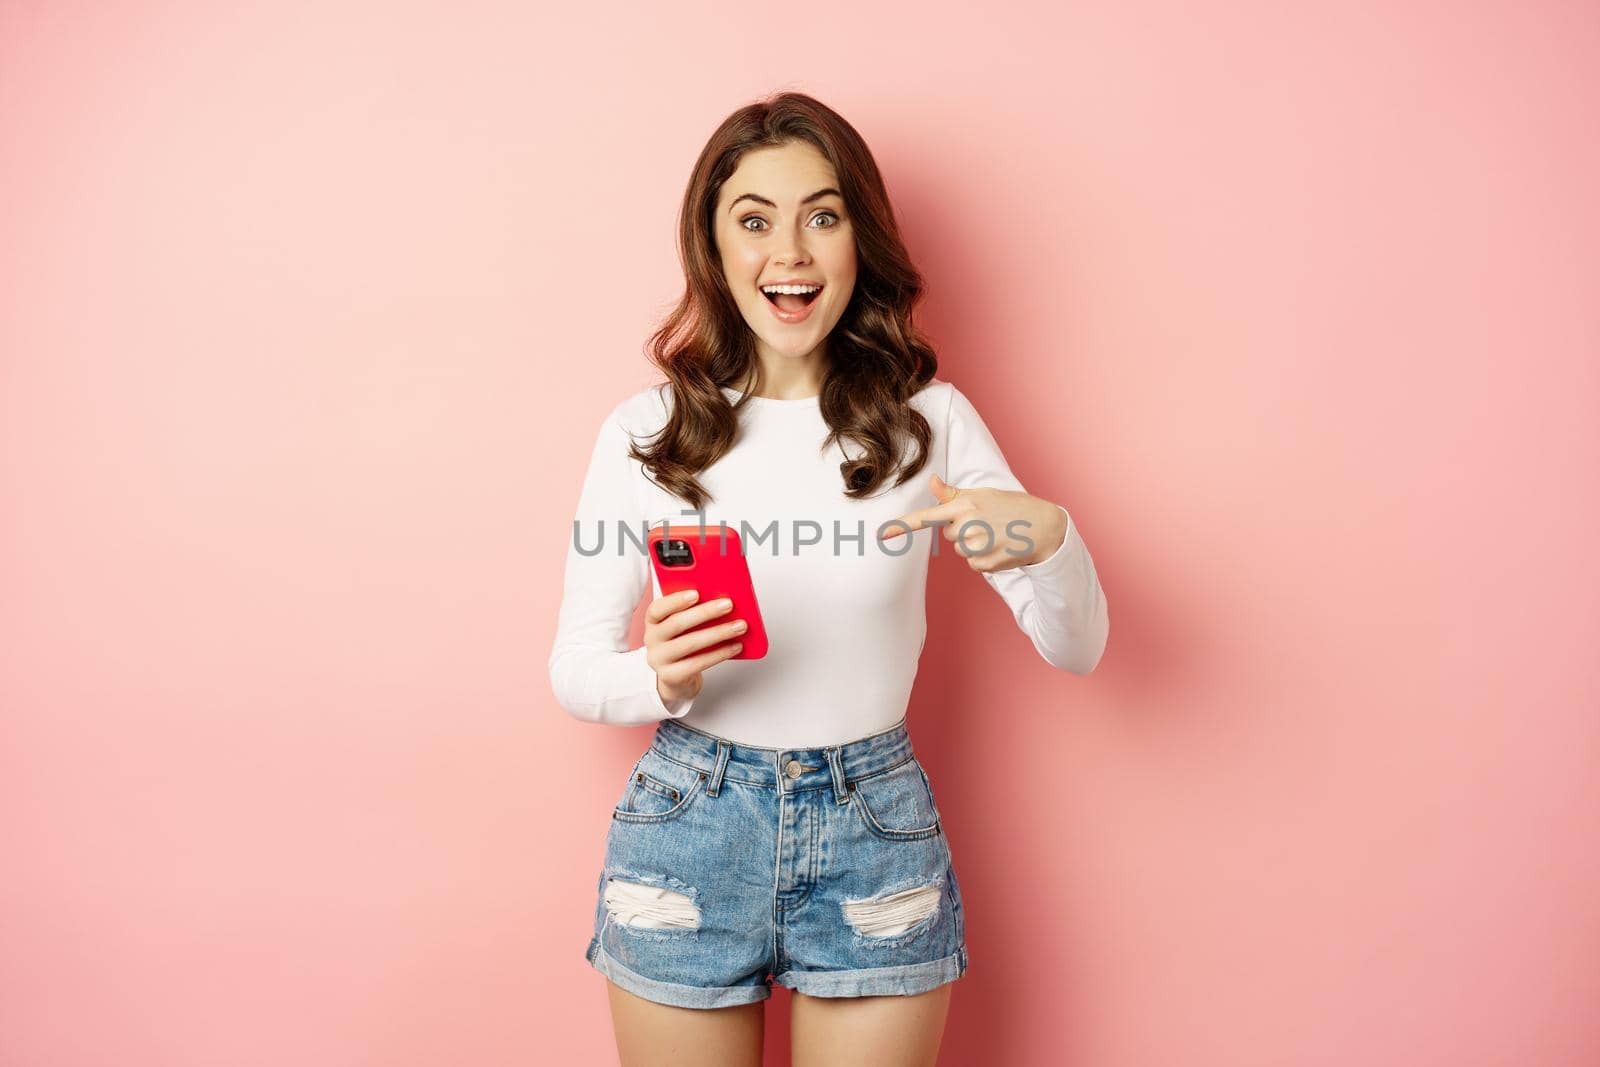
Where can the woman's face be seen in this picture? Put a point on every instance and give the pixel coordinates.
(773, 226)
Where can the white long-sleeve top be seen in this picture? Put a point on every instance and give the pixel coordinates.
(844, 615)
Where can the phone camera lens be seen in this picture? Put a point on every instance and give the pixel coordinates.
(674, 553)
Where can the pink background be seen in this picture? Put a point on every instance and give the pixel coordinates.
(308, 317)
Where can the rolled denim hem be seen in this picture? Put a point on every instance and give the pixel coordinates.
(878, 981)
(682, 996)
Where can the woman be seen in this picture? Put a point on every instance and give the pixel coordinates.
(779, 827)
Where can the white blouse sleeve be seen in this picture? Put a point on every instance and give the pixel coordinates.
(1058, 601)
(594, 674)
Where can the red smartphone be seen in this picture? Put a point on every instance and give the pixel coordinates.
(711, 561)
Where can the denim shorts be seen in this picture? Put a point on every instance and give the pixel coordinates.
(732, 866)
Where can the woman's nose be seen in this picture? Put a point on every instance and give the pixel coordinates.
(792, 254)
(792, 250)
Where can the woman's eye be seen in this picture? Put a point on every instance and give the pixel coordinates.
(744, 222)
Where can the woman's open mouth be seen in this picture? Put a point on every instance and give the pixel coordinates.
(791, 303)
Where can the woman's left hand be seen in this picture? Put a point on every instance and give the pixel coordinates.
(979, 520)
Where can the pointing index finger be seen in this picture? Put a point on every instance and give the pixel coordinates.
(921, 519)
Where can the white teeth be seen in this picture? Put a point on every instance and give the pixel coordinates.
(794, 289)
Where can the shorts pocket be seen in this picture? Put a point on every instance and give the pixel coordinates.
(658, 790)
(896, 804)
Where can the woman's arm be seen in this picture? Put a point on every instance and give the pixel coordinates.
(1057, 601)
(594, 674)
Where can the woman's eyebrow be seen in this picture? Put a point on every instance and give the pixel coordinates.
(763, 200)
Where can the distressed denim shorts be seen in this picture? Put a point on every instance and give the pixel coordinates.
(732, 866)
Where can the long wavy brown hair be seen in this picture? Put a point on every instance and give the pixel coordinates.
(877, 360)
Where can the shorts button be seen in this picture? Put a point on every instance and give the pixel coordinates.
(792, 768)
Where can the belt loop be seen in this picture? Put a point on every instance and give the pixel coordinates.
(724, 750)
(841, 792)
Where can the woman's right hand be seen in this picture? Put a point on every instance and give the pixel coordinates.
(676, 656)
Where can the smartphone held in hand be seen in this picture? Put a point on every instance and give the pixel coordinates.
(711, 561)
